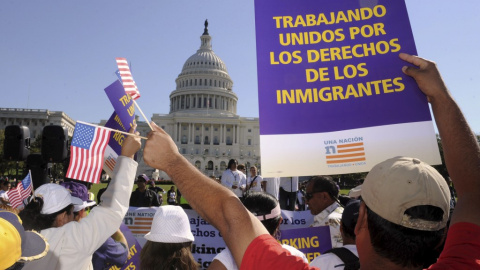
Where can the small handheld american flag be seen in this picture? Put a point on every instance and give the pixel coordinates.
(86, 152)
(127, 78)
(22, 191)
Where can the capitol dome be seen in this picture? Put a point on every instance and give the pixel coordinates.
(204, 85)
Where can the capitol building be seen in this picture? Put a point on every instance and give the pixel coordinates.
(203, 118)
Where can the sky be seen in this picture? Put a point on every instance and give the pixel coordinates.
(60, 55)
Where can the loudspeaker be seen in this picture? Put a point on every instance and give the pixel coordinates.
(17, 139)
(38, 168)
(54, 143)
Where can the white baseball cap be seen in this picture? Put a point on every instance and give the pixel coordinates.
(55, 198)
(170, 225)
(400, 183)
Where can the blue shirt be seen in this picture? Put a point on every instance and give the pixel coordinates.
(109, 254)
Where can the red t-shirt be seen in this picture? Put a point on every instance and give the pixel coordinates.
(461, 251)
(462, 248)
(266, 253)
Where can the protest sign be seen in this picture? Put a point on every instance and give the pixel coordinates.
(122, 119)
(332, 96)
(312, 241)
(134, 248)
(208, 240)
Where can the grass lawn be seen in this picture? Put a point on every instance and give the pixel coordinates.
(96, 187)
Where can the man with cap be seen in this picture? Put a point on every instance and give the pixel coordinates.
(18, 246)
(143, 197)
(416, 208)
(321, 195)
(345, 257)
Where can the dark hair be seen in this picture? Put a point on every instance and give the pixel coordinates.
(323, 183)
(34, 220)
(260, 203)
(100, 193)
(156, 255)
(404, 246)
(230, 162)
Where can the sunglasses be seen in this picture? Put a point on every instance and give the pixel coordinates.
(309, 195)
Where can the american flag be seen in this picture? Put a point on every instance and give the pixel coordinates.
(86, 152)
(22, 191)
(127, 79)
(347, 153)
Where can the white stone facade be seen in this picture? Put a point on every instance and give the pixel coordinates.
(35, 120)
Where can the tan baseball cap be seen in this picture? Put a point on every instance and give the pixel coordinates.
(397, 184)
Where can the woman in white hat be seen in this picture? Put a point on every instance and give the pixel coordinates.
(72, 243)
(169, 241)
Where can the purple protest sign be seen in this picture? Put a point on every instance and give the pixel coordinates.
(331, 68)
(312, 241)
(134, 248)
(122, 103)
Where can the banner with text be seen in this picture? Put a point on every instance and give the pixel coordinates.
(208, 241)
(122, 119)
(332, 96)
(311, 241)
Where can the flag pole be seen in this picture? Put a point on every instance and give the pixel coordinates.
(31, 181)
(141, 112)
(114, 130)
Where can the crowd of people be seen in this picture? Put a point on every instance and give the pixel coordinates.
(399, 218)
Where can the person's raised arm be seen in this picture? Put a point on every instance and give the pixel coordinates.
(460, 146)
(215, 203)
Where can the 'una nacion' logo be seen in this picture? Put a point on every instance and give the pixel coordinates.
(345, 151)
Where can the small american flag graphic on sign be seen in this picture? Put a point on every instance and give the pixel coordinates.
(345, 153)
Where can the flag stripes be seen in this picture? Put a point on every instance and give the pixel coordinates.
(127, 78)
(22, 191)
(86, 152)
(345, 153)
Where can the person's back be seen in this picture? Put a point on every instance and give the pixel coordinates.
(345, 257)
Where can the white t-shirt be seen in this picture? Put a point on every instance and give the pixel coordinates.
(330, 261)
(273, 185)
(226, 258)
(234, 178)
(289, 184)
(255, 183)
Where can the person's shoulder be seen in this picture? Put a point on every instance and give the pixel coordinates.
(295, 252)
(326, 261)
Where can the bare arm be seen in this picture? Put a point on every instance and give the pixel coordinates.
(460, 147)
(119, 237)
(224, 210)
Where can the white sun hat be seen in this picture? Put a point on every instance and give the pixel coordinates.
(170, 225)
